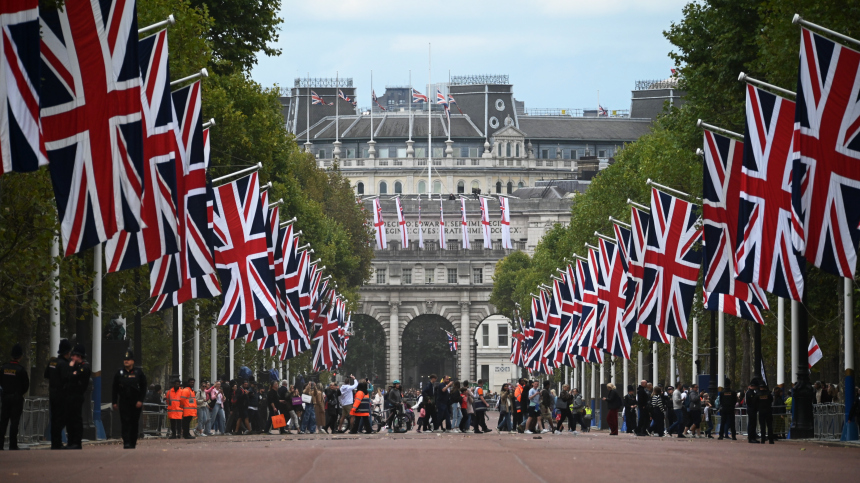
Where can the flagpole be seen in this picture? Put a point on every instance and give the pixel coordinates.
(429, 127)
(371, 106)
(336, 151)
(410, 104)
(308, 108)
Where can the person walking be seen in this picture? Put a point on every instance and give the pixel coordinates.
(642, 399)
(309, 418)
(520, 405)
(273, 405)
(467, 407)
(562, 405)
(127, 393)
(657, 409)
(53, 374)
(443, 406)
(480, 406)
(14, 382)
(694, 411)
(506, 406)
(728, 401)
(546, 405)
(203, 426)
(285, 397)
(613, 404)
(332, 401)
(456, 399)
(173, 399)
(534, 408)
(678, 410)
(751, 398)
(239, 407)
(428, 394)
(346, 401)
(630, 409)
(76, 380)
(361, 410)
(217, 421)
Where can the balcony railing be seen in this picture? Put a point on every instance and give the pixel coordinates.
(407, 163)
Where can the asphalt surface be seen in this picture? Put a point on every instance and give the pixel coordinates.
(437, 457)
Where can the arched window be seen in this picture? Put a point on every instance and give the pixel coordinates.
(398, 187)
(498, 186)
(359, 188)
(383, 188)
(508, 149)
(461, 187)
(518, 149)
(475, 186)
(520, 184)
(422, 187)
(510, 187)
(437, 187)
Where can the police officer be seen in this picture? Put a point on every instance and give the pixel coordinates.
(15, 383)
(765, 412)
(728, 401)
(76, 379)
(751, 397)
(55, 392)
(129, 389)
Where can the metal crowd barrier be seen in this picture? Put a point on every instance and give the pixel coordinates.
(153, 420)
(34, 420)
(828, 420)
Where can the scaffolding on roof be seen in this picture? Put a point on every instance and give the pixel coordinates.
(322, 82)
(477, 79)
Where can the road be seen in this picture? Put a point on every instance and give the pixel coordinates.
(416, 457)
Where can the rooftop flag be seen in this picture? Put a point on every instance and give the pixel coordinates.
(418, 97)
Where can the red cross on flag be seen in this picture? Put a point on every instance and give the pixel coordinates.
(485, 224)
(506, 222)
(379, 225)
(464, 230)
(401, 223)
(442, 243)
(814, 352)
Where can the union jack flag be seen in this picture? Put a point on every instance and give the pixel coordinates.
(563, 356)
(268, 326)
(442, 243)
(316, 99)
(195, 199)
(401, 223)
(379, 226)
(517, 340)
(729, 304)
(326, 341)
(672, 264)
(553, 320)
(485, 223)
(826, 169)
(195, 254)
(419, 97)
(21, 143)
(540, 334)
(440, 98)
(640, 222)
(343, 96)
(623, 236)
(463, 225)
(587, 285)
(612, 297)
(451, 99)
(91, 121)
(764, 250)
(505, 207)
(159, 212)
(452, 341)
(297, 338)
(601, 112)
(722, 199)
(241, 253)
(375, 100)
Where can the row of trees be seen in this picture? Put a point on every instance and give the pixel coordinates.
(225, 37)
(712, 44)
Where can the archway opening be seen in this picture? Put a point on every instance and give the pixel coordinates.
(425, 350)
(367, 350)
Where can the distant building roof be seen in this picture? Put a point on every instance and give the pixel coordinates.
(611, 129)
(547, 192)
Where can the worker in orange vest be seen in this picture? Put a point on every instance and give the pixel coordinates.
(173, 399)
(189, 408)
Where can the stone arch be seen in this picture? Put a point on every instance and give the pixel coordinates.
(398, 187)
(424, 349)
(368, 349)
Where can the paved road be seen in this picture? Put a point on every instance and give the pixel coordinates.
(413, 457)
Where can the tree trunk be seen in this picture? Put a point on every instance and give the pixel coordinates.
(731, 353)
(745, 360)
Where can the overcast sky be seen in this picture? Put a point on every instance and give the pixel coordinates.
(558, 53)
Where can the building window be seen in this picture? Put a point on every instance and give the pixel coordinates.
(401, 152)
(510, 187)
(565, 154)
(544, 153)
(473, 152)
(461, 187)
(601, 153)
(398, 187)
(437, 187)
(407, 276)
(498, 186)
(520, 184)
(485, 335)
(452, 275)
(321, 154)
(508, 150)
(438, 152)
(476, 187)
(567, 164)
(428, 276)
(383, 188)
(477, 275)
(485, 372)
(380, 275)
(383, 152)
(420, 153)
(503, 335)
(422, 187)
(359, 188)
(518, 150)
(350, 153)
(464, 152)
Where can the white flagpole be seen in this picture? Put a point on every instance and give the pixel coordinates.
(429, 128)
(410, 105)
(213, 354)
(55, 296)
(336, 107)
(372, 95)
(308, 127)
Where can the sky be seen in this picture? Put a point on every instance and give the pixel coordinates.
(557, 53)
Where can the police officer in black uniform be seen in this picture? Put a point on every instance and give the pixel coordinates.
(728, 401)
(765, 412)
(15, 383)
(129, 389)
(76, 379)
(751, 397)
(55, 392)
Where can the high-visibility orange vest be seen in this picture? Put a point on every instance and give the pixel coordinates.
(361, 407)
(517, 392)
(189, 402)
(174, 403)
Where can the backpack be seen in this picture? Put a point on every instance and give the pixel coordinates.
(687, 402)
(245, 373)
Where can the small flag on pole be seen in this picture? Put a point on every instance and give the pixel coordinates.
(442, 244)
(815, 354)
(452, 341)
(418, 97)
(379, 225)
(316, 99)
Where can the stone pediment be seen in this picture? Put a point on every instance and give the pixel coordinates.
(509, 132)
